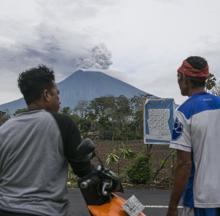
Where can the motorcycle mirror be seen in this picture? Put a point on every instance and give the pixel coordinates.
(86, 147)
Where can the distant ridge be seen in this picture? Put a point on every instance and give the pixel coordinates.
(84, 85)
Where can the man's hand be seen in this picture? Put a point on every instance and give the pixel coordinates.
(172, 211)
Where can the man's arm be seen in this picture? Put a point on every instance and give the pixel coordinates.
(71, 139)
(182, 172)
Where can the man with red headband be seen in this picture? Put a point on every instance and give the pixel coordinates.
(196, 137)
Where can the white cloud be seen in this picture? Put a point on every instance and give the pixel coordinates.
(148, 39)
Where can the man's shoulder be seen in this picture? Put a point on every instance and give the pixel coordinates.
(61, 116)
(63, 119)
(199, 103)
(186, 108)
(68, 129)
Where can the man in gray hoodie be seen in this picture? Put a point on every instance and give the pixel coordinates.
(35, 149)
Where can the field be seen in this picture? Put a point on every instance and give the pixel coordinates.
(161, 163)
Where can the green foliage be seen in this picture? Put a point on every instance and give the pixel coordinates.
(20, 111)
(81, 109)
(210, 82)
(126, 153)
(123, 153)
(66, 110)
(212, 85)
(112, 158)
(136, 125)
(140, 172)
(116, 118)
(163, 163)
(71, 181)
(3, 117)
(109, 117)
(216, 89)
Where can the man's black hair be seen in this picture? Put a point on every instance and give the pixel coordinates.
(34, 81)
(197, 62)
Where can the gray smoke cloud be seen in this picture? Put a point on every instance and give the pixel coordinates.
(56, 38)
(49, 49)
(99, 57)
(55, 33)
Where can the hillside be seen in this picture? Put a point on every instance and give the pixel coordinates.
(84, 85)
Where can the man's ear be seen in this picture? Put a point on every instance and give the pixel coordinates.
(186, 80)
(188, 83)
(46, 95)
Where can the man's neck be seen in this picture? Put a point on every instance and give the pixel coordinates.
(196, 91)
(35, 106)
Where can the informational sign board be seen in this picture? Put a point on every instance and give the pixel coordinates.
(133, 207)
(158, 120)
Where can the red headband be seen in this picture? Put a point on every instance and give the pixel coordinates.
(188, 70)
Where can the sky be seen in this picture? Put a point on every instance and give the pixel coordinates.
(145, 41)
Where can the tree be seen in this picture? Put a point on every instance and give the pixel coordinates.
(66, 110)
(210, 82)
(4, 116)
(216, 89)
(212, 85)
(136, 125)
(81, 108)
(141, 170)
(109, 117)
(100, 113)
(20, 111)
(121, 118)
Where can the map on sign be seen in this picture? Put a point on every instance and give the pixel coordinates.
(158, 124)
(158, 121)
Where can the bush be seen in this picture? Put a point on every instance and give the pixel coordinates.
(140, 172)
(71, 181)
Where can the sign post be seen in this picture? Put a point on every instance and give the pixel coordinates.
(158, 120)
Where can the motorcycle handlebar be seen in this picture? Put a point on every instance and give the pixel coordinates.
(105, 186)
(86, 183)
